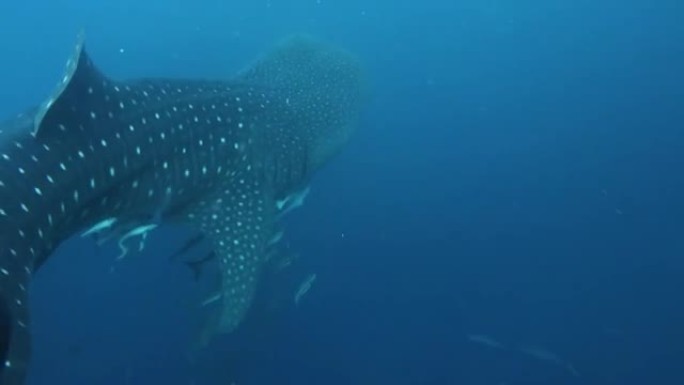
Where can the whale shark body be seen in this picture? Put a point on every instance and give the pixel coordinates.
(120, 157)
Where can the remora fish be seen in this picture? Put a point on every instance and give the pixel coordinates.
(548, 356)
(215, 154)
(485, 340)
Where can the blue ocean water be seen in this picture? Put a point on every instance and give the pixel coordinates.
(509, 211)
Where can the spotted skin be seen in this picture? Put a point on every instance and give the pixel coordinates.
(215, 154)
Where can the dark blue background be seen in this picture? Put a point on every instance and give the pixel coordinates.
(518, 174)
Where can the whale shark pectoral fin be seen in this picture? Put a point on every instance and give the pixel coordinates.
(238, 223)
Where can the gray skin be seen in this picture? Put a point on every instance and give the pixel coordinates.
(124, 156)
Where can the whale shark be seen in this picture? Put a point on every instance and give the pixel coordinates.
(117, 158)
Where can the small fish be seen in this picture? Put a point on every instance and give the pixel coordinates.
(189, 244)
(485, 340)
(140, 231)
(197, 265)
(304, 287)
(543, 354)
(292, 202)
(275, 238)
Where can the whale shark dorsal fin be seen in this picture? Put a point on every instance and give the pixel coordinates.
(81, 85)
